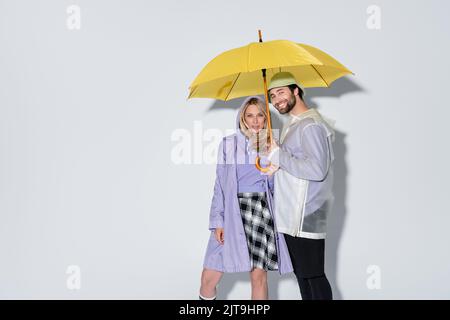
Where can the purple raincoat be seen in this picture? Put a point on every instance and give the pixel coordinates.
(233, 255)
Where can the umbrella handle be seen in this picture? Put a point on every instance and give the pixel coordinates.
(269, 124)
(259, 167)
(269, 128)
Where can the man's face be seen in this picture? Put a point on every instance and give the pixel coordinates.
(282, 99)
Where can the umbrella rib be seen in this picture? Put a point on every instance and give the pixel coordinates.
(232, 86)
(320, 75)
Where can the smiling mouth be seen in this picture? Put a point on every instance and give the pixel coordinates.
(282, 105)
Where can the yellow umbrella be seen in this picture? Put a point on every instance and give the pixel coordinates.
(237, 72)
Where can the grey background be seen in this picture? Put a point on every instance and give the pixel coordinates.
(87, 116)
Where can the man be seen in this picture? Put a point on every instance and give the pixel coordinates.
(303, 184)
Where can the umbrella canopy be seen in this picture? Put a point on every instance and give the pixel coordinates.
(237, 72)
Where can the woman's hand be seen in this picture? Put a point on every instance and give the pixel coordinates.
(219, 235)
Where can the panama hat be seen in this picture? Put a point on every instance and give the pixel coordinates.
(283, 79)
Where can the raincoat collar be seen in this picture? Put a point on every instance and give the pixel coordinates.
(313, 113)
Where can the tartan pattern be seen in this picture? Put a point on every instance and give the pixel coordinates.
(259, 230)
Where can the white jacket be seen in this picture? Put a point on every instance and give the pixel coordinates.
(303, 184)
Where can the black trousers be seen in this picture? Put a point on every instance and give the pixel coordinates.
(308, 260)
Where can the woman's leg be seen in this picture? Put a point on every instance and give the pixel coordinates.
(209, 281)
(259, 284)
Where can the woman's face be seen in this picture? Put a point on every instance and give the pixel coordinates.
(254, 118)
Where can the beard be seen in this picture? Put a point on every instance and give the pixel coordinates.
(289, 105)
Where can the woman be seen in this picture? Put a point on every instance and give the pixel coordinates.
(243, 236)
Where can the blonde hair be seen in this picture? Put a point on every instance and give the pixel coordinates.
(261, 136)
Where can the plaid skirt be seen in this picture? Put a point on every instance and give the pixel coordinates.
(259, 230)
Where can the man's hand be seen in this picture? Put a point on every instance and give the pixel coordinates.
(219, 235)
(272, 169)
(273, 146)
(262, 151)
